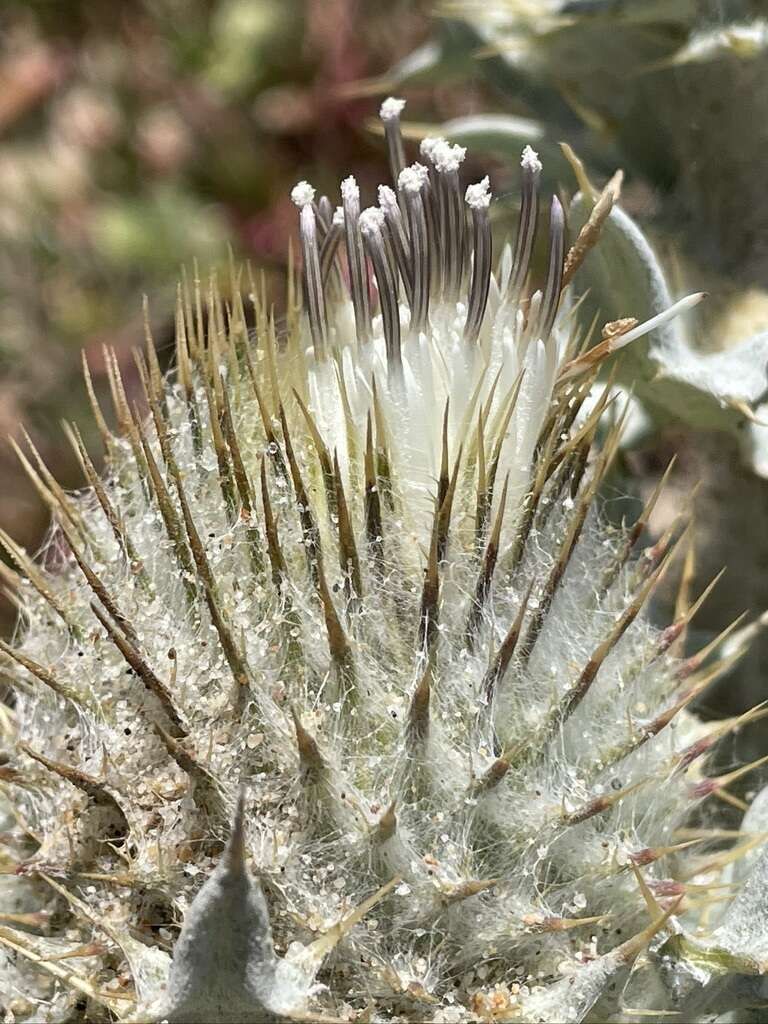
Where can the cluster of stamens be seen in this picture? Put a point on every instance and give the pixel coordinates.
(420, 243)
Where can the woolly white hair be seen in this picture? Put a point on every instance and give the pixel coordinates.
(353, 581)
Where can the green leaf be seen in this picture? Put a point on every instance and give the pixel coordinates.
(224, 964)
(744, 42)
(720, 391)
(634, 11)
(449, 55)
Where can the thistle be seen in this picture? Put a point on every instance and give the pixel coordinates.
(335, 698)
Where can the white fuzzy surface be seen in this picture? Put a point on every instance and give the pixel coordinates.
(434, 947)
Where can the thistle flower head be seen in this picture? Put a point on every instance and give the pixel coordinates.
(352, 582)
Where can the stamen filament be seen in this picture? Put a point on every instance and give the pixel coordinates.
(330, 244)
(432, 208)
(412, 184)
(390, 112)
(358, 274)
(398, 238)
(324, 214)
(303, 196)
(447, 160)
(529, 215)
(550, 299)
(371, 223)
(478, 198)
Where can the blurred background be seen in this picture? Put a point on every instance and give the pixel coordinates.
(136, 136)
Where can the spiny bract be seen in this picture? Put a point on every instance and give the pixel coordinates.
(350, 577)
